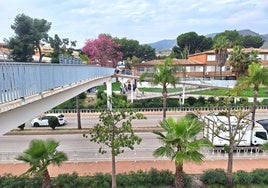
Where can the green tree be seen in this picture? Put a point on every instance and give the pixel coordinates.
(132, 51)
(221, 46)
(180, 144)
(40, 28)
(163, 74)
(240, 60)
(115, 131)
(29, 34)
(230, 127)
(232, 36)
(250, 41)
(60, 46)
(39, 156)
(191, 43)
(257, 76)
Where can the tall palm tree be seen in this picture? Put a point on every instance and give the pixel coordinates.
(257, 76)
(39, 156)
(163, 74)
(180, 143)
(221, 46)
(240, 60)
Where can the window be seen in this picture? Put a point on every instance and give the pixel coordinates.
(261, 135)
(211, 58)
(140, 69)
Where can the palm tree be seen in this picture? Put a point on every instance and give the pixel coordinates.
(257, 76)
(240, 60)
(39, 156)
(220, 46)
(180, 143)
(163, 74)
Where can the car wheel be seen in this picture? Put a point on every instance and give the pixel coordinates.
(36, 124)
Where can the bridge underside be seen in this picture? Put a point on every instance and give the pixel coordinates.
(22, 110)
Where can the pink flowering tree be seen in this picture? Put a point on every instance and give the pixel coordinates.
(103, 51)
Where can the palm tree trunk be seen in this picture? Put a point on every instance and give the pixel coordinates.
(46, 182)
(254, 106)
(230, 167)
(179, 183)
(164, 103)
(113, 171)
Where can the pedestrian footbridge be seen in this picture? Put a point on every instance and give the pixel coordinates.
(29, 89)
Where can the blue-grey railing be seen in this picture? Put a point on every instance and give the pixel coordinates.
(19, 80)
(160, 109)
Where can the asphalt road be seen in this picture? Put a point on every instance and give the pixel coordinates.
(79, 148)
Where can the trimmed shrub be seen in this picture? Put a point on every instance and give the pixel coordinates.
(214, 177)
(66, 181)
(191, 101)
(260, 176)
(21, 127)
(242, 178)
(53, 122)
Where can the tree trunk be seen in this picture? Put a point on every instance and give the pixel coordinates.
(78, 113)
(179, 183)
(254, 106)
(46, 182)
(113, 171)
(230, 166)
(40, 52)
(164, 93)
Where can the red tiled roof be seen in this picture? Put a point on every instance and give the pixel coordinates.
(175, 61)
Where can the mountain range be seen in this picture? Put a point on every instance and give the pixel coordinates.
(168, 44)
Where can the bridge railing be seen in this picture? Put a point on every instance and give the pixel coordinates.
(19, 80)
(169, 109)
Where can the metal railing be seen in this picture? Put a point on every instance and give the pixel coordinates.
(19, 80)
(169, 109)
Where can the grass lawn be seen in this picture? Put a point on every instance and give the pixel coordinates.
(263, 92)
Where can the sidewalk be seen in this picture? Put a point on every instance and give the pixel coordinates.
(90, 168)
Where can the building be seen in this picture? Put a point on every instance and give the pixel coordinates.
(4, 52)
(200, 65)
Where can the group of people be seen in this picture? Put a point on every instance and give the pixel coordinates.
(126, 87)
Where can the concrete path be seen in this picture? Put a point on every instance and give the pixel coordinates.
(90, 168)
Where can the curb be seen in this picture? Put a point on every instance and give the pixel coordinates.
(70, 131)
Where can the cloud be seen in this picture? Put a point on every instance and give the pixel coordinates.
(143, 20)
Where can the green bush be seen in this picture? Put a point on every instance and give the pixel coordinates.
(264, 102)
(191, 101)
(214, 177)
(66, 181)
(242, 178)
(53, 122)
(10, 181)
(260, 176)
(211, 101)
(22, 126)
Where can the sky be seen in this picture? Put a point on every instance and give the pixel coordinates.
(146, 21)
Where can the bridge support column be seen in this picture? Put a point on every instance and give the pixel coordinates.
(183, 93)
(131, 90)
(109, 94)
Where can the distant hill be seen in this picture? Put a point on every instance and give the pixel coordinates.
(167, 45)
(164, 45)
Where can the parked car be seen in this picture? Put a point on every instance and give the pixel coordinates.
(43, 120)
(264, 123)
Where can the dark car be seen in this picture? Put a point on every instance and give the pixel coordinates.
(264, 123)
